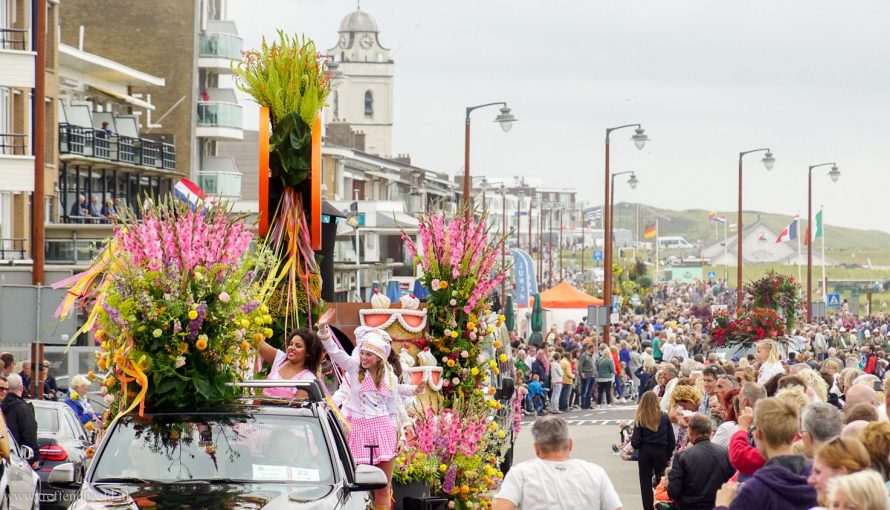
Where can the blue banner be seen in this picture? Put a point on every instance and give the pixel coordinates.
(526, 282)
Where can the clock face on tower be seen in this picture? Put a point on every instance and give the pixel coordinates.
(366, 41)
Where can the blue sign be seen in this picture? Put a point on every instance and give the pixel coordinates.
(598, 255)
(834, 300)
(712, 275)
(526, 284)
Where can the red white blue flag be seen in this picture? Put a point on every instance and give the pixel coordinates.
(189, 192)
(790, 232)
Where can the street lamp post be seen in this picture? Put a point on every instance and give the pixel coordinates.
(768, 162)
(639, 138)
(834, 174)
(505, 119)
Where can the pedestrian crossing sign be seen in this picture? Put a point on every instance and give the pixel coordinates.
(834, 300)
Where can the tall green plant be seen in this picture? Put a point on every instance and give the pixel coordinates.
(287, 76)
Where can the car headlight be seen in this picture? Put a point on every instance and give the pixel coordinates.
(92, 499)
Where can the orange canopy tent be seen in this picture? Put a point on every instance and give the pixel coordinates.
(566, 296)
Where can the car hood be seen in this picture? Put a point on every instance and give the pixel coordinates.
(248, 496)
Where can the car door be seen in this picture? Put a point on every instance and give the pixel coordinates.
(76, 438)
(21, 478)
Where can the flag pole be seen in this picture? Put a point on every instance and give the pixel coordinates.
(824, 282)
(798, 248)
(725, 262)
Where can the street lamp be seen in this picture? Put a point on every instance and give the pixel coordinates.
(639, 138)
(835, 175)
(505, 119)
(768, 162)
(632, 181)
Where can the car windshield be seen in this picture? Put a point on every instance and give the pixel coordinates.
(47, 419)
(248, 448)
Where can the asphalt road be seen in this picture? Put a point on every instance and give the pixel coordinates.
(593, 433)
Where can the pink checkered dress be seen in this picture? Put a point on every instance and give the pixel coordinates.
(377, 430)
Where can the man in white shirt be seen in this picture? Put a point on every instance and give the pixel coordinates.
(554, 480)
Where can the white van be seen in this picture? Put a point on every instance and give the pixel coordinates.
(673, 242)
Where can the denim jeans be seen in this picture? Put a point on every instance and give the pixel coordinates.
(587, 385)
(619, 387)
(537, 403)
(565, 396)
(554, 396)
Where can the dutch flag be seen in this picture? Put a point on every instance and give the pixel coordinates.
(189, 192)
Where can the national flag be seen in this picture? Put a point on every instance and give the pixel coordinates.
(712, 216)
(594, 213)
(818, 225)
(790, 232)
(189, 192)
(651, 231)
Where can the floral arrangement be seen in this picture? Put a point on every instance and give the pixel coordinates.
(288, 77)
(459, 261)
(747, 327)
(778, 292)
(461, 445)
(701, 312)
(176, 306)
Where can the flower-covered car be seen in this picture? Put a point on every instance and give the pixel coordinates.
(256, 453)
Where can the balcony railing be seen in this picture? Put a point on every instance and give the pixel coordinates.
(221, 46)
(219, 114)
(13, 39)
(12, 249)
(14, 144)
(71, 251)
(101, 144)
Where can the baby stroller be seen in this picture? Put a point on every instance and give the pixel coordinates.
(630, 390)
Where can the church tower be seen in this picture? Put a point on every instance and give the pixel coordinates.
(362, 94)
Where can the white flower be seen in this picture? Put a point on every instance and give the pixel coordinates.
(108, 399)
(224, 297)
(444, 359)
(453, 302)
(472, 335)
(464, 354)
(447, 332)
(180, 361)
(455, 381)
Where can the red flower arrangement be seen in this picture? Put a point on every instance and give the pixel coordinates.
(748, 327)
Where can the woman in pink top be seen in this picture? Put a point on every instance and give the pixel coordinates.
(299, 363)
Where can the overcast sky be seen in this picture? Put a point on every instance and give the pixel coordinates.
(707, 79)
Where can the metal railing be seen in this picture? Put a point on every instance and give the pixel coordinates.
(13, 39)
(219, 114)
(102, 144)
(221, 45)
(71, 251)
(14, 144)
(12, 249)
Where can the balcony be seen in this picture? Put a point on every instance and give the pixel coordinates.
(220, 120)
(102, 145)
(218, 51)
(16, 61)
(219, 176)
(16, 164)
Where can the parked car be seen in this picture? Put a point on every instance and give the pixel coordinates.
(19, 485)
(260, 453)
(61, 439)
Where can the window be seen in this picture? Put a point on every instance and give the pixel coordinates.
(369, 103)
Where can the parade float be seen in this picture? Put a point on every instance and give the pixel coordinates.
(774, 310)
(461, 435)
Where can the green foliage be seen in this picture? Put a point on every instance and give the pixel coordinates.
(290, 149)
(287, 76)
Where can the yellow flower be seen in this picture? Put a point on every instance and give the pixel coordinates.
(91, 375)
(227, 358)
(245, 323)
(74, 395)
(245, 345)
(474, 371)
(267, 319)
(443, 284)
(492, 363)
(450, 363)
(89, 426)
(454, 334)
(201, 344)
(471, 325)
(496, 344)
(443, 468)
(502, 358)
(493, 425)
(193, 314)
(264, 309)
(157, 333)
(257, 338)
(267, 332)
(109, 381)
(183, 347)
(501, 435)
(258, 320)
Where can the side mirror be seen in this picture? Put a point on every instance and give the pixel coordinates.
(26, 452)
(63, 474)
(368, 478)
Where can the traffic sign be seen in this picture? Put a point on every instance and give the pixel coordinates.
(597, 255)
(834, 300)
(712, 275)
